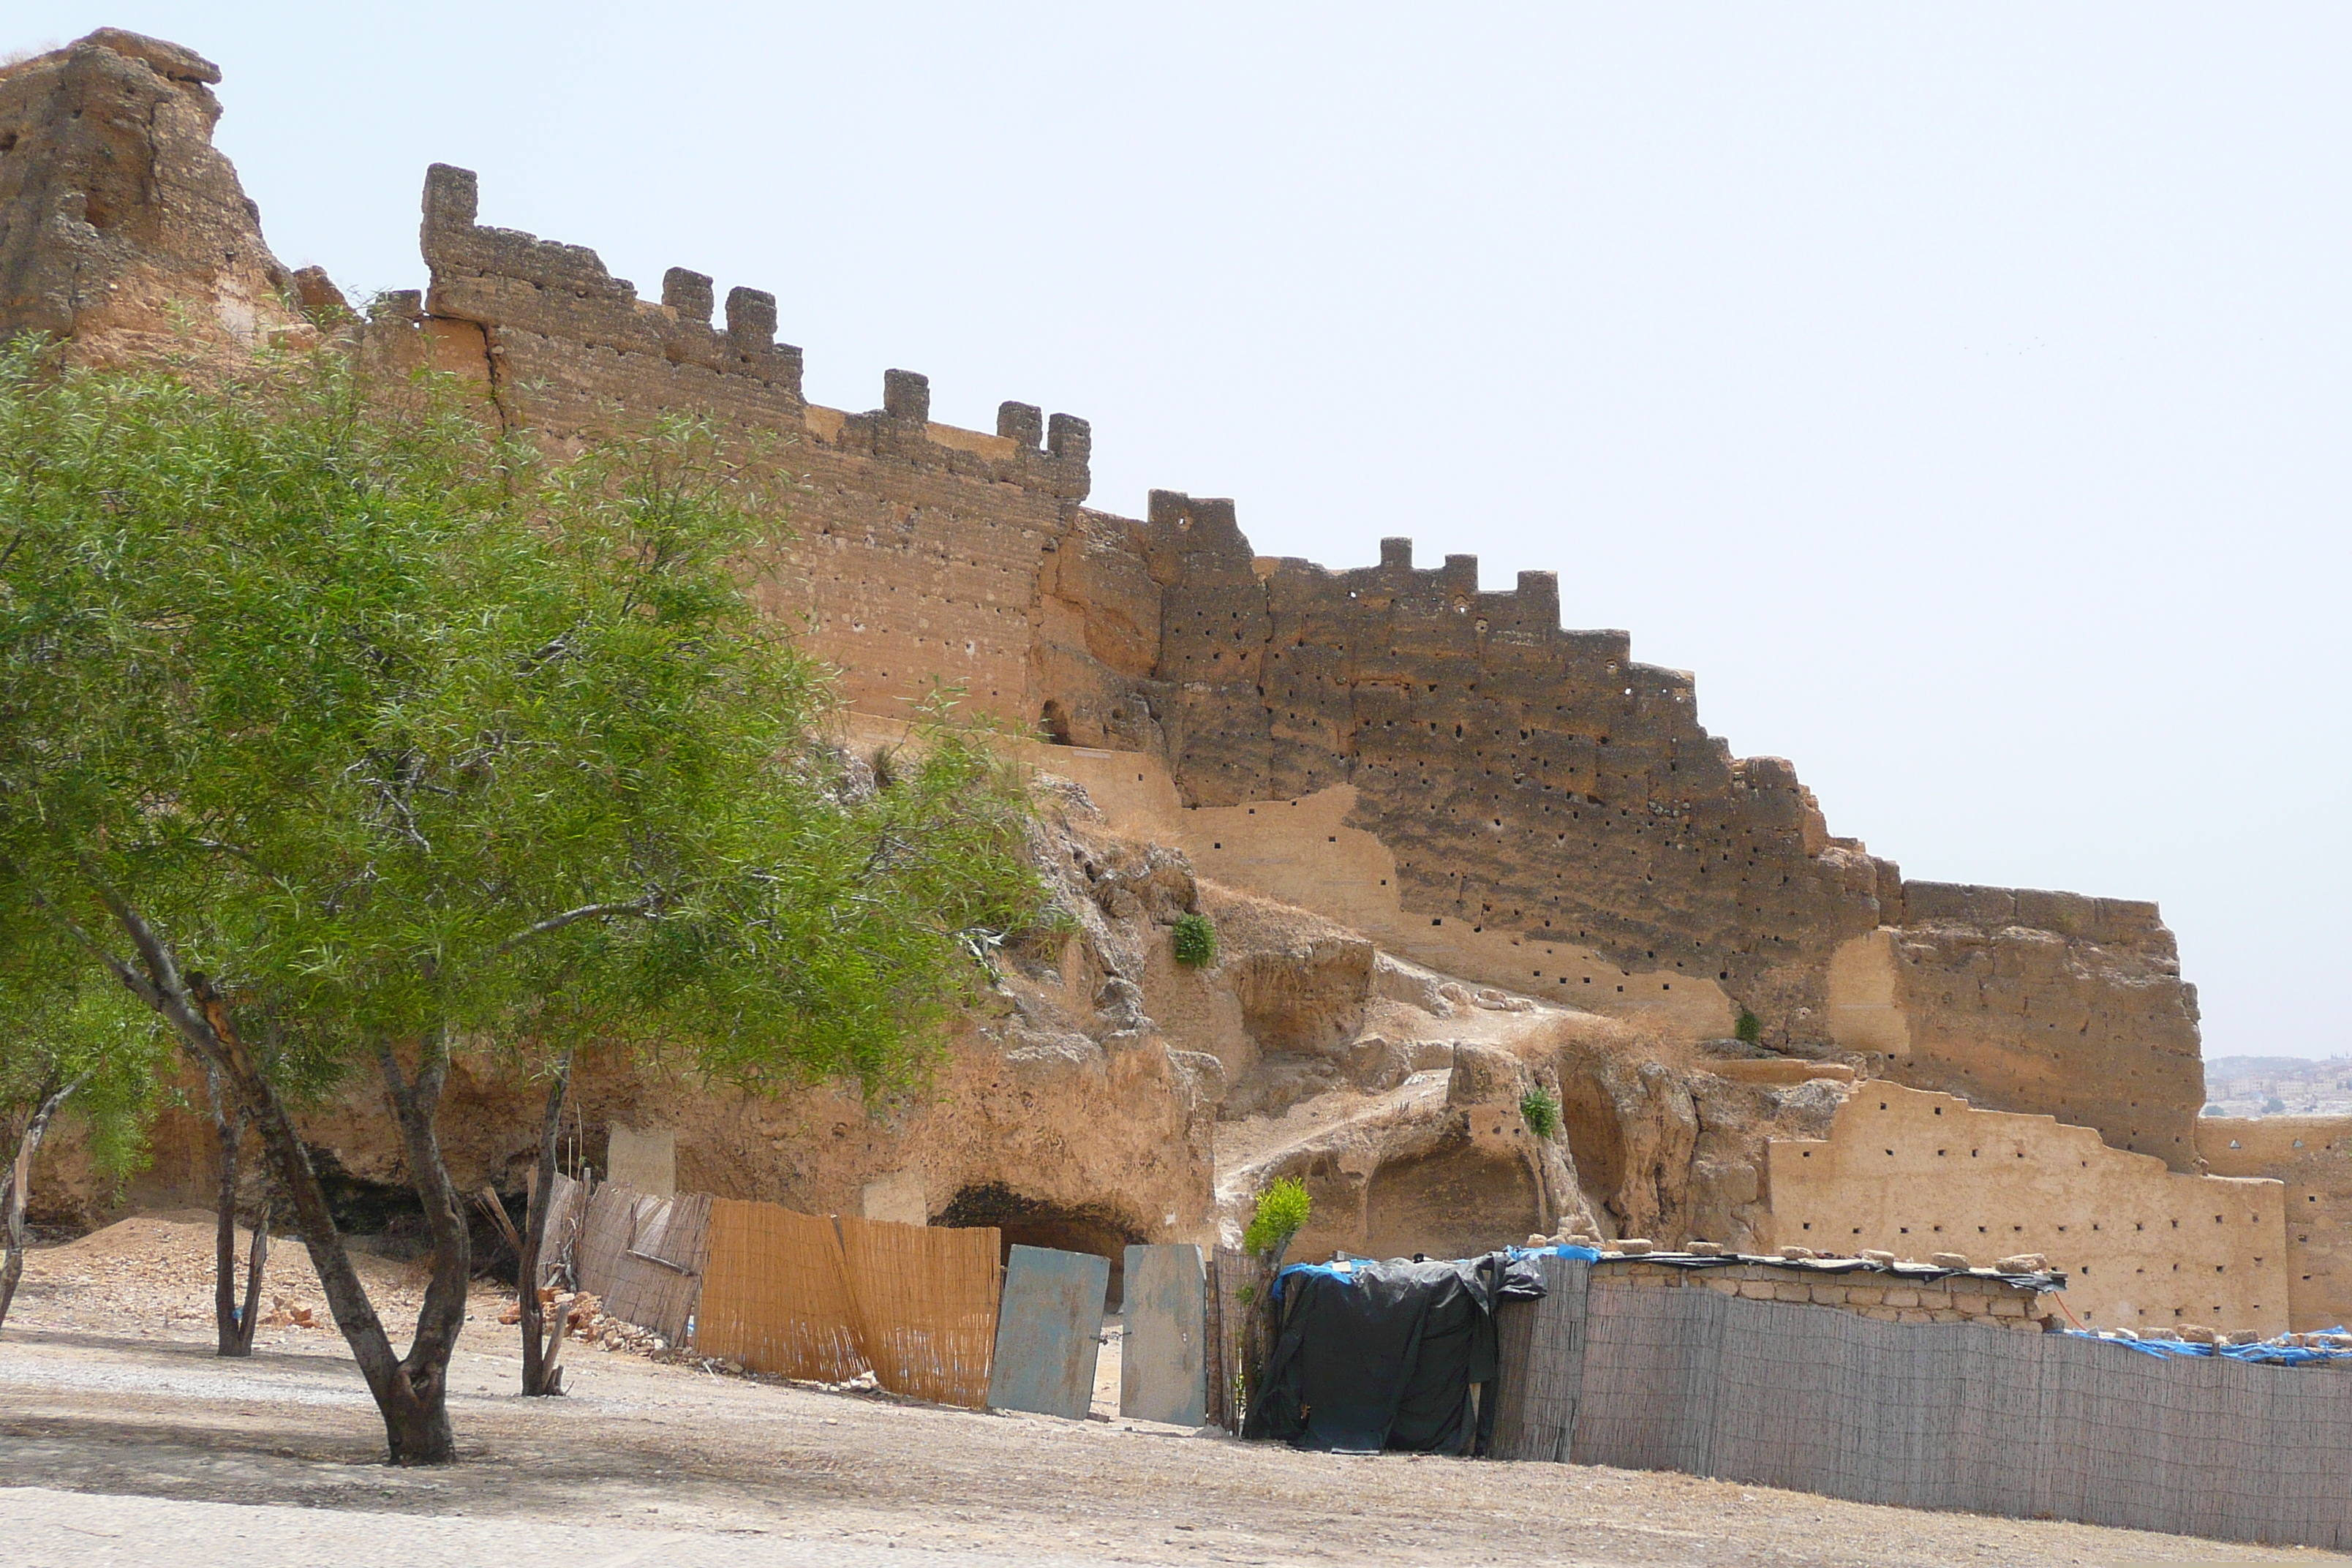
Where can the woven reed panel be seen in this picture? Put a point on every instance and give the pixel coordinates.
(1542, 1353)
(1236, 1333)
(925, 1299)
(655, 1280)
(774, 1294)
(1962, 1416)
(567, 1216)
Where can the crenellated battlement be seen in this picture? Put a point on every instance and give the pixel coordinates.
(578, 343)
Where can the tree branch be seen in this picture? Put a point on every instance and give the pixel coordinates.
(133, 981)
(643, 908)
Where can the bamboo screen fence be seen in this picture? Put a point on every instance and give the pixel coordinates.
(643, 1256)
(925, 1299)
(774, 1294)
(809, 1296)
(1924, 1416)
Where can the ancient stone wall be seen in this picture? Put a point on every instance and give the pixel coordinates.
(1442, 768)
(1916, 1173)
(921, 554)
(2313, 1156)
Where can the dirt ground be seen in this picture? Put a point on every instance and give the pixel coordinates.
(123, 1440)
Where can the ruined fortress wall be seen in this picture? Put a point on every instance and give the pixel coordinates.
(2143, 1248)
(1533, 807)
(2032, 1001)
(121, 227)
(1558, 822)
(2313, 1156)
(1548, 814)
(922, 552)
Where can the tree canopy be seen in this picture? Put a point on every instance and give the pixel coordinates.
(338, 728)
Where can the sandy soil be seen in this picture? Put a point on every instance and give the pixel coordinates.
(120, 1435)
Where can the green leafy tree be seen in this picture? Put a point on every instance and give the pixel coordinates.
(341, 733)
(66, 1046)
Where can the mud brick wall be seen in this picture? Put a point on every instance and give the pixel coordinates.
(2053, 1003)
(2312, 1155)
(2144, 1247)
(1889, 1298)
(920, 552)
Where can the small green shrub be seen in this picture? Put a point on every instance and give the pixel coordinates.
(1282, 1211)
(1196, 942)
(1749, 1029)
(1541, 1110)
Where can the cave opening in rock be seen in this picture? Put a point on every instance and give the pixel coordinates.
(1024, 1221)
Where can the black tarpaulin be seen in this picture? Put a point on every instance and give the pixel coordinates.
(1370, 1356)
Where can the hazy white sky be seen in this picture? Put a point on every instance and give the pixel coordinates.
(1962, 394)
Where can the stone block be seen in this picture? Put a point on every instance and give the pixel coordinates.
(1902, 1297)
(2008, 1307)
(1865, 1295)
(1950, 1259)
(1828, 1295)
(907, 395)
(1757, 1289)
(1792, 1291)
(1163, 1371)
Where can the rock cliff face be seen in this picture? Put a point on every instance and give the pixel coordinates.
(122, 231)
(1459, 853)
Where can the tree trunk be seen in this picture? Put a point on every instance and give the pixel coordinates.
(14, 1186)
(234, 1333)
(421, 1436)
(257, 1260)
(541, 1376)
(416, 1419)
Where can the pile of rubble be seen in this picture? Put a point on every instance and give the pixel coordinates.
(586, 1321)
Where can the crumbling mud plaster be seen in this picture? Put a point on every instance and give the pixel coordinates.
(122, 231)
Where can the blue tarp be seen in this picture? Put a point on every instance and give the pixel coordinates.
(1345, 1268)
(2269, 1354)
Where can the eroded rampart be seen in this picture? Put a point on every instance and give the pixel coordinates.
(1442, 768)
